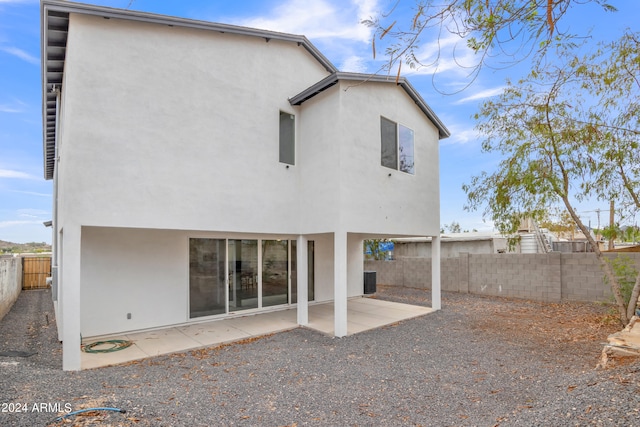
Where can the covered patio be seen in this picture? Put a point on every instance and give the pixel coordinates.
(363, 314)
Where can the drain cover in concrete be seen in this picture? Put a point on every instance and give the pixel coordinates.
(14, 353)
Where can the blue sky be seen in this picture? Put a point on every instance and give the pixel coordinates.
(332, 25)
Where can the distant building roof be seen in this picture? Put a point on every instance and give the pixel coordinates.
(454, 237)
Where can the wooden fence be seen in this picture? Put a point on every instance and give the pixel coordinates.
(35, 271)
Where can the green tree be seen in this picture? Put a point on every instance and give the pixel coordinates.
(559, 222)
(612, 77)
(553, 130)
(611, 232)
(454, 227)
(631, 234)
(506, 31)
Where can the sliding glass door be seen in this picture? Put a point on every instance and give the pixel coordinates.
(230, 275)
(207, 280)
(275, 272)
(243, 274)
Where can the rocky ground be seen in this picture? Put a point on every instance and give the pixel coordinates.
(477, 362)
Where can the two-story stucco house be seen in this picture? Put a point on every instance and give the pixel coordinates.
(204, 170)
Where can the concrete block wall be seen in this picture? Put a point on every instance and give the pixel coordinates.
(387, 272)
(416, 272)
(582, 278)
(551, 277)
(452, 273)
(10, 282)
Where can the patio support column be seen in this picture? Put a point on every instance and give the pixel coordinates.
(69, 287)
(340, 283)
(302, 280)
(435, 273)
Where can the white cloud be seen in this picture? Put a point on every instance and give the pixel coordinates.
(6, 224)
(33, 213)
(483, 94)
(8, 173)
(25, 56)
(6, 108)
(354, 64)
(334, 26)
(320, 19)
(447, 53)
(461, 134)
(32, 193)
(16, 107)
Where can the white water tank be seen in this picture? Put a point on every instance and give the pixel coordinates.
(528, 244)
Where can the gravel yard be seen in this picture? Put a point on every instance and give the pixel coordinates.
(477, 362)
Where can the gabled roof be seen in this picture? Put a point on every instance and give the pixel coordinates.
(331, 80)
(54, 22)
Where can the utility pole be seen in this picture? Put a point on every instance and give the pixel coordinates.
(611, 225)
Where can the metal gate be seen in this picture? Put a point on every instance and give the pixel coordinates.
(35, 271)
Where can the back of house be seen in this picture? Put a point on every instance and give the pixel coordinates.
(204, 170)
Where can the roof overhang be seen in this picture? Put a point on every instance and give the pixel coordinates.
(54, 23)
(334, 78)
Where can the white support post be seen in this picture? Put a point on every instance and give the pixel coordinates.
(340, 284)
(435, 273)
(70, 298)
(302, 265)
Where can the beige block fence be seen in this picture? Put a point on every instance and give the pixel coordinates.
(552, 277)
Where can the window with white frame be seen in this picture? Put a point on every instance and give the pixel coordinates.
(397, 146)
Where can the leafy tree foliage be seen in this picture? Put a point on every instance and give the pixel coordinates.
(631, 234)
(569, 131)
(559, 222)
(454, 227)
(499, 32)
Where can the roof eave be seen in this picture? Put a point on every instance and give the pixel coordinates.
(331, 80)
(66, 7)
(132, 15)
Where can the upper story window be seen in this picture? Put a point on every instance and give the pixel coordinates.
(397, 146)
(287, 138)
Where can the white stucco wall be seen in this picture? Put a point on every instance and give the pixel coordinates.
(323, 244)
(145, 272)
(168, 127)
(142, 272)
(347, 186)
(159, 131)
(373, 201)
(355, 266)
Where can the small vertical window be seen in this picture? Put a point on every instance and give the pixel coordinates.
(397, 146)
(405, 151)
(389, 143)
(287, 138)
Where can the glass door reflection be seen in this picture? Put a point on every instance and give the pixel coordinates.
(275, 272)
(206, 277)
(243, 274)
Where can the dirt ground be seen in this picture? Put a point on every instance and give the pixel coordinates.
(566, 331)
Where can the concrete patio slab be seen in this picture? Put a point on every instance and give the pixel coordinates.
(362, 314)
(213, 333)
